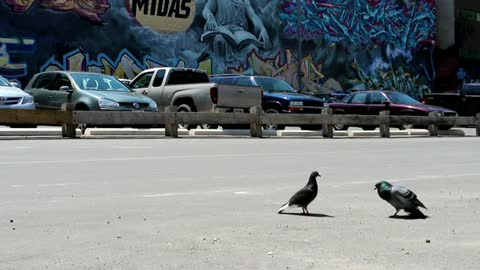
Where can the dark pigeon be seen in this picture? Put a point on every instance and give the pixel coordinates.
(304, 196)
(400, 198)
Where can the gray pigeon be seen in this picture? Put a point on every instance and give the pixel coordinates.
(400, 198)
(304, 196)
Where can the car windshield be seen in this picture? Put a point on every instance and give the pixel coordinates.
(274, 85)
(99, 82)
(4, 82)
(399, 98)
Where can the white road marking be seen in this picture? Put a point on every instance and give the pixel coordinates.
(132, 147)
(241, 193)
(185, 193)
(57, 184)
(95, 160)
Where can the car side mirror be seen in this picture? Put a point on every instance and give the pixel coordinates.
(66, 88)
(15, 84)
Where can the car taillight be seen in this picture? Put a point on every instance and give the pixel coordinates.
(214, 95)
(424, 100)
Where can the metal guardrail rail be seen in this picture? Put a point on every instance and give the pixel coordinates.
(70, 119)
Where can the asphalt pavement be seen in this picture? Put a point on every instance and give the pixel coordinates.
(210, 203)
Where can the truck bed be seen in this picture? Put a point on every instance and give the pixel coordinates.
(237, 96)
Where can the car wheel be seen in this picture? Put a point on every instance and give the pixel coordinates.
(185, 108)
(208, 126)
(272, 126)
(82, 127)
(406, 126)
(340, 126)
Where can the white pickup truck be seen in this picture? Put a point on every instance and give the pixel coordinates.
(191, 91)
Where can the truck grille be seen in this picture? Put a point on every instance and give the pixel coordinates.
(10, 100)
(312, 107)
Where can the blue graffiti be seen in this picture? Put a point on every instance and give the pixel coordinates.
(359, 23)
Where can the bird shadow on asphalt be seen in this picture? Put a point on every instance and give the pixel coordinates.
(409, 217)
(308, 215)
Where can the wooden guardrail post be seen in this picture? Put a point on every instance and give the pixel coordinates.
(327, 126)
(171, 125)
(385, 124)
(477, 123)
(433, 127)
(256, 126)
(69, 130)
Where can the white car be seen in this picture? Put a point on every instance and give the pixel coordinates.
(12, 97)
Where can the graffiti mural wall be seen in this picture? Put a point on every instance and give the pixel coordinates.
(346, 44)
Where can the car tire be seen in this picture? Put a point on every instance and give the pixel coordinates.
(273, 126)
(208, 126)
(405, 127)
(340, 126)
(185, 108)
(82, 127)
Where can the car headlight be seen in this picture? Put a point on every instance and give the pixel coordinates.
(152, 105)
(106, 103)
(28, 100)
(296, 103)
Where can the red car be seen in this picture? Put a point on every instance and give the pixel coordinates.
(374, 101)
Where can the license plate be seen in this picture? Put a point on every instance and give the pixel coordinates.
(237, 110)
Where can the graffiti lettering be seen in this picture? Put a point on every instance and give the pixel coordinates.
(163, 15)
(162, 8)
(9, 46)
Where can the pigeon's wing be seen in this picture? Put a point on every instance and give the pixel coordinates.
(303, 197)
(406, 196)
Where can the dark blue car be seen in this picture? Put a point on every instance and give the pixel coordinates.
(278, 96)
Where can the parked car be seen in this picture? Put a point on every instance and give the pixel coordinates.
(466, 101)
(125, 81)
(12, 97)
(374, 101)
(192, 91)
(278, 96)
(87, 91)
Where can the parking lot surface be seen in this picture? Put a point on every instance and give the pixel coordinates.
(210, 203)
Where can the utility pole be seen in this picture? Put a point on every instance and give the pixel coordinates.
(299, 48)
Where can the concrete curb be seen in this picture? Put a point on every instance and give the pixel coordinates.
(130, 132)
(57, 131)
(418, 132)
(33, 132)
(452, 132)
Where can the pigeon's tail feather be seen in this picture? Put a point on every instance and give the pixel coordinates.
(415, 212)
(420, 204)
(285, 206)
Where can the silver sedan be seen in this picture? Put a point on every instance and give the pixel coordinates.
(12, 97)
